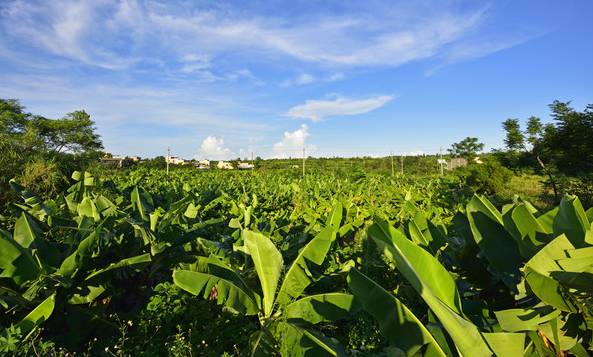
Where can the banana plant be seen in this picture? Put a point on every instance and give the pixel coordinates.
(285, 315)
(39, 274)
(555, 287)
(435, 285)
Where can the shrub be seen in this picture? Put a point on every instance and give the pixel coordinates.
(43, 177)
(488, 178)
(582, 187)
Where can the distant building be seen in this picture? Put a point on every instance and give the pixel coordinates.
(175, 160)
(112, 161)
(117, 160)
(477, 160)
(202, 165)
(245, 166)
(456, 162)
(223, 165)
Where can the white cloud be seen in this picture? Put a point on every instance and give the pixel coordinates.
(319, 109)
(336, 77)
(378, 36)
(306, 78)
(213, 148)
(301, 79)
(292, 144)
(195, 62)
(467, 50)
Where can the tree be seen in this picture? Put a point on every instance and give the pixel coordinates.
(466, 148)
(514, 141)
(31, 141)
(534, 130)
(13, 118)
(74, 133)
(568, 143)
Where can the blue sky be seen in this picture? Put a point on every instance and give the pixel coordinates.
(342, 78)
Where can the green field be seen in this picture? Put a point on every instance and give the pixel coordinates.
(265, 262)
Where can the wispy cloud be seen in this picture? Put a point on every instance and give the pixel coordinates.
(306, 78)
(130, 29)
(319, 109)
(472, 49)
(184, 69)
(301, 79)
(336, 77)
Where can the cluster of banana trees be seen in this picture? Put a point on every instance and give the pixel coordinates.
(540, 265)
(68, 258)
(300, 258)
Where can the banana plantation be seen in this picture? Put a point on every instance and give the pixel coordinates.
(218, 263)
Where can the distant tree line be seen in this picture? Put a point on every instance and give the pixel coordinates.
(566, 144)
(561, 149)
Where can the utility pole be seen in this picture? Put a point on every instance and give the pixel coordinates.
(392, 169)
(441, 160)
(303, 161)
(168, 158)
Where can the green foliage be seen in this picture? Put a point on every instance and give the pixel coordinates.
(43, 176)
(579, 186)
(73, 133)
(534, 130)
(40, 151)
(514, 139)
(262, 263)
(466, 148)
(488, 178)
(566, 143)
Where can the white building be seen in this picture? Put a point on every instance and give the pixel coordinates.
(203, 165)
(223, 165)
(175, 160)
(245, 166)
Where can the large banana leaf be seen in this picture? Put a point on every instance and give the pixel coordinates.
(220, 283)
(322, 307)
(589, 214)
(25, 231)
(397, 323)
(298, 341)
(539, 268)
(262, 344)
(74, 260)
(87, 208)
(40, 314)
(86, 295)
(515, 320)
(506, 343)
(494, 241)
(16, 262)
(298, 276)
(527, 231)
(572, 221)
(268, 264)
(434, 284)
(425, 233)
(335, 217)
(126, 262)
(142, 202)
